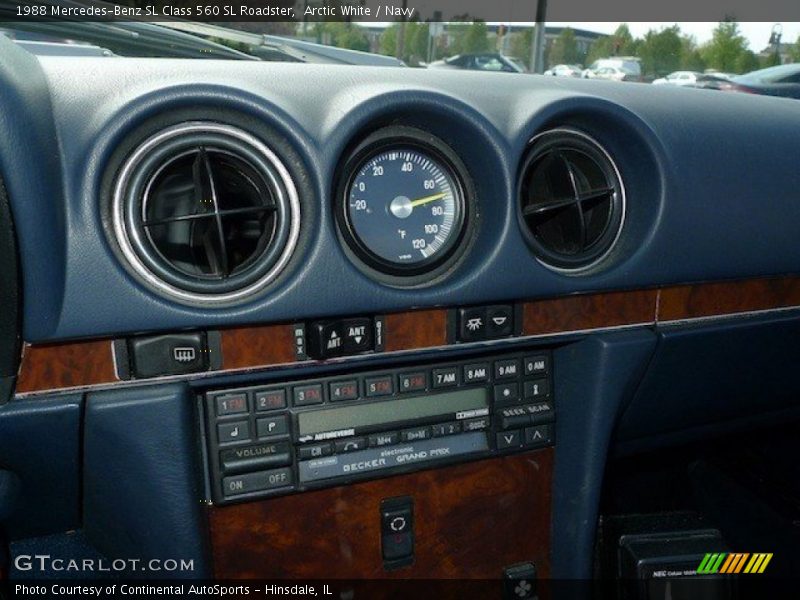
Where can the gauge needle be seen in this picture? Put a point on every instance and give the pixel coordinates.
(426, 199)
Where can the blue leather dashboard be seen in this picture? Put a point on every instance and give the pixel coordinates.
(711, 181)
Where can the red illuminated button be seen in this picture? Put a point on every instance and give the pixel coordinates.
(380, 386)
(343, 390)
(231, 404)
(412, 382)
(308, 394)
(270, 399)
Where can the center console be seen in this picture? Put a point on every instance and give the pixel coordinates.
(301, 435)
(428, 470)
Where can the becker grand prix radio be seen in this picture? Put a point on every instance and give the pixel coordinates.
(289, 437)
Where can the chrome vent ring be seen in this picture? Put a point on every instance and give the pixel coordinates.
(205, 213)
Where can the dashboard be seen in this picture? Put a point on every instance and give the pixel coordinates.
(656, 158)
(250, 293)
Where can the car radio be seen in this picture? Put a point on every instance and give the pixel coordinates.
(289, 437)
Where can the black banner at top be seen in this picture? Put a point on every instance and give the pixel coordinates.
(378, 11)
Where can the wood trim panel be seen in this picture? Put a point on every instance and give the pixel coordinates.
(470, 521)
(248, 347)
(414, 330)
(727, 298)
(86, 363)
(592, 311)
(74, 364)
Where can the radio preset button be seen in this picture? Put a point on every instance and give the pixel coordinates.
(443, 429)
(315, 451)
(307, 395)
(270, 399)
(343, 390)
(272, 426)
(506, 393)
(236, 431)
(537, 365)
(538, 388)
(416, 434)
(379, 386)
(509, 439)
(413, 382)
(476, 373)
(231, 404)
(507, 369)
(351, 445)
(384, 439)
(446, 377)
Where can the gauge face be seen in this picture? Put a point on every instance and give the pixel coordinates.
(403, 208)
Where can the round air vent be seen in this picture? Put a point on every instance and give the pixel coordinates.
(205, 212)
(572, 201)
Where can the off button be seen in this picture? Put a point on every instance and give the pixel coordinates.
(257, 482)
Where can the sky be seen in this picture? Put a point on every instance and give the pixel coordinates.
(756, 33)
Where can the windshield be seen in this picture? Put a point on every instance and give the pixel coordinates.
(726, 56)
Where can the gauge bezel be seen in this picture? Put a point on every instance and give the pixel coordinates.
(402, 137)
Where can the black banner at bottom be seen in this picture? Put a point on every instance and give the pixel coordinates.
(396, 589)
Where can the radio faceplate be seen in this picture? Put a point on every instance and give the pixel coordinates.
(281, 438)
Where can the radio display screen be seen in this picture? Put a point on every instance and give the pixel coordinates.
(391, 411)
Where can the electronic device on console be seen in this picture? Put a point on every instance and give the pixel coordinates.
(290, 437)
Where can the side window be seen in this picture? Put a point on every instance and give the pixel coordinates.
(488, 63)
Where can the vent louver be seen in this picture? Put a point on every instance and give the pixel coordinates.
(572, 201)
(205, 212)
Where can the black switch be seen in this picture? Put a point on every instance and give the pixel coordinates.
(471, 324)
(397, 532)
(499, 321)
(398, 548)
(171, 354)
(519, 582)
(357, 335)
(325, 339)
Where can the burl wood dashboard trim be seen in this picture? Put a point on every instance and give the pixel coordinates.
(82, 364)
(685, 302)
(470, 521)
(591, 311)
(68, 365)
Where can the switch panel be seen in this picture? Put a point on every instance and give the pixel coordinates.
(519, 582)
(397, 532)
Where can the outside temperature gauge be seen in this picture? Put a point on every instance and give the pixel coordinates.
(403, 207)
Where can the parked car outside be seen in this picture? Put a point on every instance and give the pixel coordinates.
(484, 61)
(610, 74)
(782, 80)
(565, 71)
(678, 78)
(630, 64)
